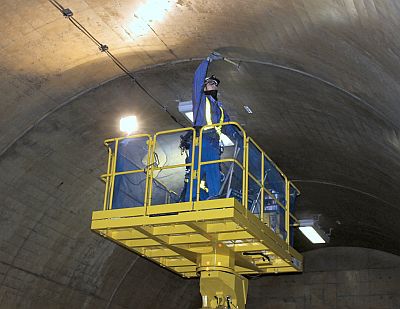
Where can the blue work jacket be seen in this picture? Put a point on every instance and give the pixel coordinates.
(202, 112)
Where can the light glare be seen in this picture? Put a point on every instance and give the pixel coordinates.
(154, 10)
(312, 234)
(128, 124)
(189, 115)
(150, 11)
(226, 140)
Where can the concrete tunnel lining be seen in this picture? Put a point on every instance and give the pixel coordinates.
(340, 127)
(40, 152)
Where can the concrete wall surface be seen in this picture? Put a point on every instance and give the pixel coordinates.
(321, 77)
(50, 184)
(341, 277)
(49, 258)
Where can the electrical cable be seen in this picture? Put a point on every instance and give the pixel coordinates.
(67, 13)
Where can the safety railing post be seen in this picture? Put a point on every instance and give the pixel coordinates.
(199, 161)
(287, 210)
(245, 172)
(107, 191)
(262, 187)
(195, 140)
(149, 172)
(113, 170)
(147, 192)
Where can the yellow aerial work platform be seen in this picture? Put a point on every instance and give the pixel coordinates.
(156, 205)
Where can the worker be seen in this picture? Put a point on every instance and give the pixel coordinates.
(207, 110)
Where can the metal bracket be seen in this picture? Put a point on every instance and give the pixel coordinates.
(67, 13)
(103, 48)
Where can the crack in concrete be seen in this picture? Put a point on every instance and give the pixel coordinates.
(321, 182)
(162, 41)
(48, 279)
(120, 282)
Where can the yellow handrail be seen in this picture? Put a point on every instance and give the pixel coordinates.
(206, 128)
(195, 171)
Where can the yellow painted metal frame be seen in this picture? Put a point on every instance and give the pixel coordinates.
(288, 184)
(109, 177)
(200, 164)
(174, 241)
(151, 174)
(219, 240)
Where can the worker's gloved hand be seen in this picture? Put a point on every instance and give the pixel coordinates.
(214, 56)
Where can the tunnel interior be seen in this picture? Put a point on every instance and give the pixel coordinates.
(321, 79)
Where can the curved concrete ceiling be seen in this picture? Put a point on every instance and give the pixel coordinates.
(321, 77)
(45, 60)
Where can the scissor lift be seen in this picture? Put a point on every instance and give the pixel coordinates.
(246, 231)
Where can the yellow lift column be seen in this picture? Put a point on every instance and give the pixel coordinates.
(220, 285)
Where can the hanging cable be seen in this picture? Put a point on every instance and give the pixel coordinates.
(67, 13)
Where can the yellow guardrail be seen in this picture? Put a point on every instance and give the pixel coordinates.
(206, 128)
(151, 168)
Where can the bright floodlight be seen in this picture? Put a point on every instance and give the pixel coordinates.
(312, 231)
(128, 124)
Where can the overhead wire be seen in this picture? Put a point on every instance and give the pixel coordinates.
(67, 13)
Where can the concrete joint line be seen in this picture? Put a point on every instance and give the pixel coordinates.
(121, 281)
